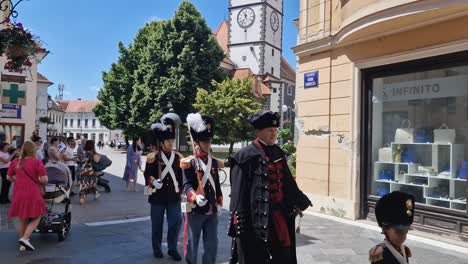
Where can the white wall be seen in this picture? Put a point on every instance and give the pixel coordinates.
(271, 36)
(41, 108)
(272, 61)
(252, 58)
(244, 2)
(250, 34)
(278, 4)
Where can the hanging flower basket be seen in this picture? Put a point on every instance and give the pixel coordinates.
(19, 46)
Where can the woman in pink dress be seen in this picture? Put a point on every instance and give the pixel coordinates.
(29, 175)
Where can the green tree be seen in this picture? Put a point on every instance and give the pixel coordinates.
(114, 107)
(177, 57)
(166, 63)
(230, 104)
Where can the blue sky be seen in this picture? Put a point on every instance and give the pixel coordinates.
(83, 35)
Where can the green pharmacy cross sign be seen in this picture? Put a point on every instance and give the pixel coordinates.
(14, 93)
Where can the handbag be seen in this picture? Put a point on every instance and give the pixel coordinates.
(408, 155)
(423, 135)
(385, 154)
(404, 134)
(386, 175)
(103, 163)
(444, 135)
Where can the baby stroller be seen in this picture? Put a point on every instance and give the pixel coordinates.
(57, 192)
(99, 166)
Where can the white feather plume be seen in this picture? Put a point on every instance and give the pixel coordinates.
(195, 121)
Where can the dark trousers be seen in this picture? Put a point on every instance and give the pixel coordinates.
(208, 225)
(5, 186)
(73, 172)
(174, 222)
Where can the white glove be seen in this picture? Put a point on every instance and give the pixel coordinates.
(157, 184)
(201, 200)
(219, 208)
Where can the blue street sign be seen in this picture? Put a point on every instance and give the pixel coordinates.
(311, 79)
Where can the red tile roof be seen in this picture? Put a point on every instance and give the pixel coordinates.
(77, 106)
(221, 35)
(42, 79)
(287, 72)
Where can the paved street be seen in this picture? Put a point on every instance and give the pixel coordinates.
(321, 241)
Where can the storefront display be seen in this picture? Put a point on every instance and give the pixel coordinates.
(420, 136)
(12, 133)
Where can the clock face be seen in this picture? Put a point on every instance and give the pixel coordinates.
(246, 17)
(274, 21)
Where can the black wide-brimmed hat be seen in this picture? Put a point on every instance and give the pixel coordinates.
(201, 126)
(166, 128)
(264, 119)
(396, 210)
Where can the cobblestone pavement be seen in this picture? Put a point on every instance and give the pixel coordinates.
(321, 240)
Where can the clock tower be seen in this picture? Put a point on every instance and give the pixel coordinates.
(255, 35)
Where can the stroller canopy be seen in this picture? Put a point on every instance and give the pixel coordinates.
(58, 173)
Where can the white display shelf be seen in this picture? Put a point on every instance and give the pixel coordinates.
(437, 156)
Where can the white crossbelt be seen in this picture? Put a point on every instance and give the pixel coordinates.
(395, 253)
(169, 170)
(207, 173)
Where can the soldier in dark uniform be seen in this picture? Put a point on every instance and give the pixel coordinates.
(164, 175)
(203, 190)
(394, 212)
(265, 198)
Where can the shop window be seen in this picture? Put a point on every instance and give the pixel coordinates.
(420, 136)
(12, 134)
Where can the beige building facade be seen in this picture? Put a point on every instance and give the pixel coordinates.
(375, 82)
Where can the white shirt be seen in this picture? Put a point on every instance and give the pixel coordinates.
(6, 156)
(69, 155)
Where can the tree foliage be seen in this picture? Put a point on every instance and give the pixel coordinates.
(230, 104)
(166, 63)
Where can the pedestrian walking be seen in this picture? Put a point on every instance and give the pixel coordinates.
(265, 198)
(5, 159)
(394, 213)
(203, 190)
(164, 177)
(70, 159)
(133, 164)
(29, 176)
(39, 148)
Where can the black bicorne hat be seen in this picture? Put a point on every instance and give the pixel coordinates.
(396, 210)
(264, 119)
(166, 129)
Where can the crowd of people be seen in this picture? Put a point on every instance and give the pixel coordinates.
(265, 198)
(25, 165)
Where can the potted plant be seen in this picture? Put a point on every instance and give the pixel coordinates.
(44, 119)
(19, 46)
